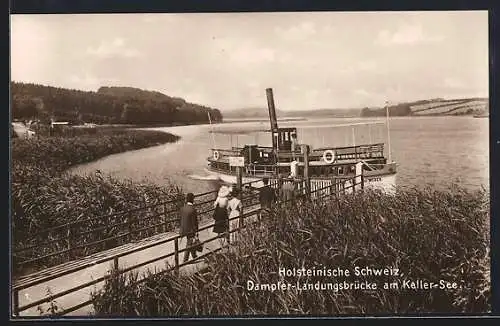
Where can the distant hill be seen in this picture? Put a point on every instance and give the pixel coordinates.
(434, 107)
(113, 105)
(430, 107)
(329, 113)
(247, 113)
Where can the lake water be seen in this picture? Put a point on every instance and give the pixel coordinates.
(429, 150)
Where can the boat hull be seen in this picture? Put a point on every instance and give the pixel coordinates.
(232, 179)
(385, 182)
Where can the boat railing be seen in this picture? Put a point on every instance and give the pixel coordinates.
(261, 169)
(365, 151)
(236, 151)
(226, 152)
(352, 152)
(353, 149)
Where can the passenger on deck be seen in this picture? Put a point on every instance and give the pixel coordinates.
(221, 225)
(295, 145)
(189, 225)
(235, 209)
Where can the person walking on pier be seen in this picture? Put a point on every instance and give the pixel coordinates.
(189, 226)
(235, 209)
(221, 225)
(267, 198)
(288, 191)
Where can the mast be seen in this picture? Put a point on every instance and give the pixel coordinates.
(213, 136)
(388, 132)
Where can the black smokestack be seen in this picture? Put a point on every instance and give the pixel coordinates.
(272, 109)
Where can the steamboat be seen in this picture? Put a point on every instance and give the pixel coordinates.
(285, 158)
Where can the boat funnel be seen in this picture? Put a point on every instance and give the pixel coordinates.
(272, 110)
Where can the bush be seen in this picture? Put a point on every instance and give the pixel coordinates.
(427, 235)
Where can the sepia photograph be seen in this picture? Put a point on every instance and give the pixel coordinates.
(249, 164)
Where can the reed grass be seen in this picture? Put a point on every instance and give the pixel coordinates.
(427, 234)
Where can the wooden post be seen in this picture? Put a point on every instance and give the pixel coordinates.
(176, 254)
(115, 271)
(305, 151)
(239, 178)
(359, 174)
(279, 190)
(240, 169)
(130, 227)
(69, 242)
(165, 217)
(15, 303)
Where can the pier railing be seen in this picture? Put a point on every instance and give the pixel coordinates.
(83, 237)
(251, 212)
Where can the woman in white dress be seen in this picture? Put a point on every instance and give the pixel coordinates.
(234, 209)
(221, 225)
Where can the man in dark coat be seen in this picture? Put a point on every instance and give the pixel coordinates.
(189, 225)
(266, 196)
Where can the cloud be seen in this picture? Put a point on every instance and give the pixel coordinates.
(407, 34)
(298, 32)
(113, 48)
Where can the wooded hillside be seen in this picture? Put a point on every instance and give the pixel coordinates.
(113, 105)
(434, 107)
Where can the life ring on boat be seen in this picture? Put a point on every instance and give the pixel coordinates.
(329, 156)
(216, 155)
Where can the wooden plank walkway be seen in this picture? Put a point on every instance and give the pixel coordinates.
(98, 265)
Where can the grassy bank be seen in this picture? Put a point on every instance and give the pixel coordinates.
(426, 235)
(43, 196)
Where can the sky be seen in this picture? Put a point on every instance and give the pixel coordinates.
(312, 60)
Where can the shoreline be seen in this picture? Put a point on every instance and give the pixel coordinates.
(182, 132)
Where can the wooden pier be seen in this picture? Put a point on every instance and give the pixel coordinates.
(69, 285)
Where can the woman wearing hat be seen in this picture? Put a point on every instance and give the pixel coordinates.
(221, 225)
